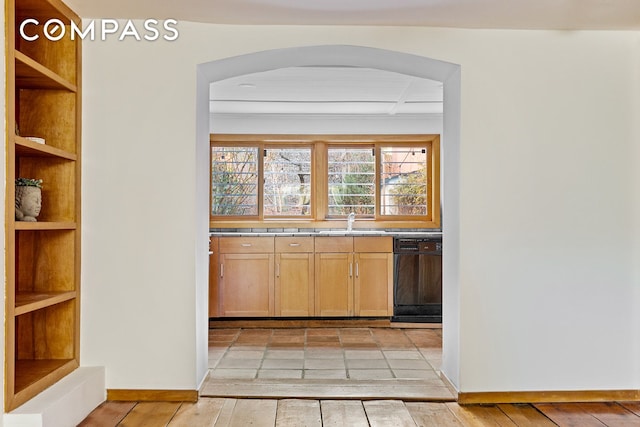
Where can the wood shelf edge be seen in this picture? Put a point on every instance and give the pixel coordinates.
(27, 147)
(45, 225)
(38, 75)
(27, 302)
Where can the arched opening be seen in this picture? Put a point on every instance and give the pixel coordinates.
(349, 56)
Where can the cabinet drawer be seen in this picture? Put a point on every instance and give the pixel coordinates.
(334, 244)
(246, 245)
(373, 244)
(294, 244)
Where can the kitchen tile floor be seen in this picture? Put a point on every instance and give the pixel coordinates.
(325, 353)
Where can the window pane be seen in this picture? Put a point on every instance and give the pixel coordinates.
(287, 181)
(403, 181)
(234, 181)
(351, 181)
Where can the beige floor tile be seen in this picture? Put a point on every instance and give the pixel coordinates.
(324, 353)
(370, 374)
(216, 354)
(418, 374)
(244, 354)
(248, 347)
(284, 354)
(363, 354)
(239, 363)
(367, 364)
(234, 373)
(280, 373)
(282, 364)
(403, 354)
(408, 364)
(325, 374)
(324, 364)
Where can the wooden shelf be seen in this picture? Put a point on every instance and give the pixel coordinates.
(44, 226)
(31, 372)
(26, 148)
(30, 74)
(27, 302)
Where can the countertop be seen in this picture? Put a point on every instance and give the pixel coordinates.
(329, 233)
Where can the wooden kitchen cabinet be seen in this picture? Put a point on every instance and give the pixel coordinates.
(373, 276)
(294, 277)
(334, 276)
(320, 276)
(214, 273)
(354, 276)
(246, 276)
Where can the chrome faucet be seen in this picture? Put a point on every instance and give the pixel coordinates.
(350, 220)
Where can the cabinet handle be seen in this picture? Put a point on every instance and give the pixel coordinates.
(357, 270)
(210, 252)
(245, 245)
(294, 244)
(277, 269)
(221, 270)
(350, 269)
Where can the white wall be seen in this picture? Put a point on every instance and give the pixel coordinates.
(636, 256)
(546, 264)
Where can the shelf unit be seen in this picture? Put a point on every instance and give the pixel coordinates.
(42, 258)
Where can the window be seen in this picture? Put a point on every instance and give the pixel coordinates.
(312, 180)
(234, 181)
(404, 181)
(352, 181)
(287, 182)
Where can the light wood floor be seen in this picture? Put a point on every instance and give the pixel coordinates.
(222, 412)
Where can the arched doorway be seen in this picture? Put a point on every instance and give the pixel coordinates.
(351, 56)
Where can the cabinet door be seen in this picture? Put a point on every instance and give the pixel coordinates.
(214, 272)
(294, 284)
(373, 284)
(334, 284)
(246, 285)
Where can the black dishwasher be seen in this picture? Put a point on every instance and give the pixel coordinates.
(417, 280)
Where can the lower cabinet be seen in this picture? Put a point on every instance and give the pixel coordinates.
(246, 278)
(334, 276)
(294, 274)
(214, 272)
(301, 277)
(354, 276)
(372, 279)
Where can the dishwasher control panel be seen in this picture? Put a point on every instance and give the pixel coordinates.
(416, 245)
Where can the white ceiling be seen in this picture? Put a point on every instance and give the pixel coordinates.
(326, 90)
(507, 14)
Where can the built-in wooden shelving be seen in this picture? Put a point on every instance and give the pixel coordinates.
(42, 258)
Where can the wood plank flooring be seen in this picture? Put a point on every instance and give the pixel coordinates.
(228, 412)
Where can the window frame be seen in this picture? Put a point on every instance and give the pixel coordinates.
(319, 145)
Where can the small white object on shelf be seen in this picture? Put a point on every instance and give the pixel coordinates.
(35, 139)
